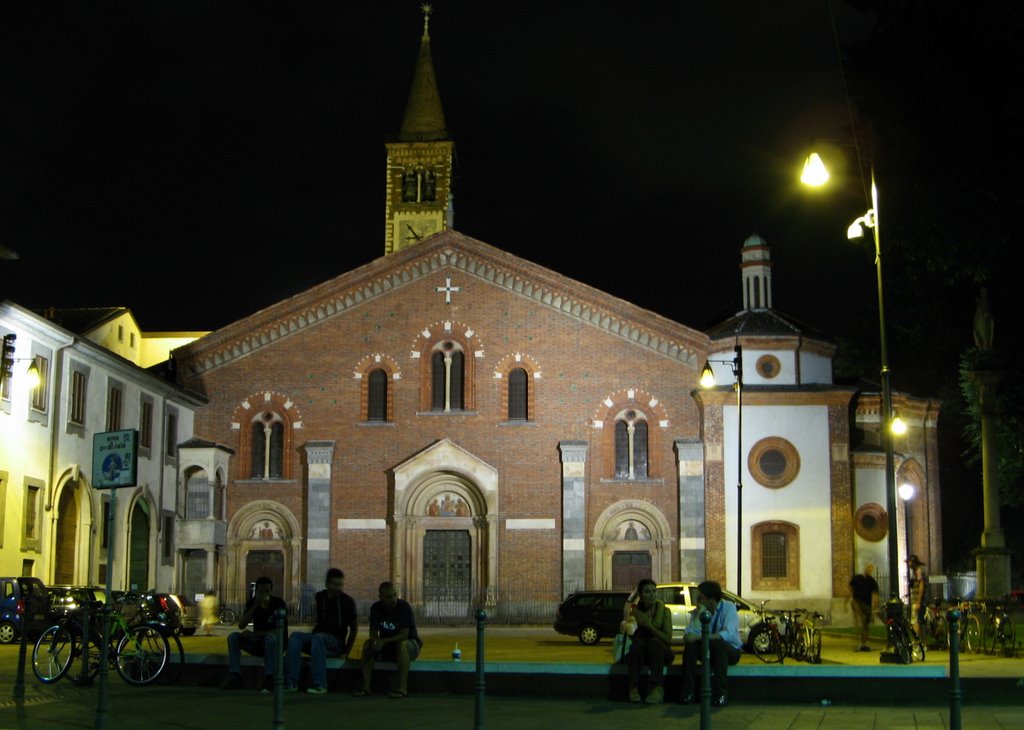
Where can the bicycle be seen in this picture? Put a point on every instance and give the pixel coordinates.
(809, 634)
(138, 652)
(934, 628)
(905, 644)
(999, 635)
(970, 626)
(765, 639)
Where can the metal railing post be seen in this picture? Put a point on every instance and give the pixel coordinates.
(282, 618)
(478, 719)
(955, 695)
(705, 670)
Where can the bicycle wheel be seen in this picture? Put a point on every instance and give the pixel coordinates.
(1011, 636)
(917, 650)
(971, 637)
(989, 637)
(227, 616)
(141, 655)
(175, 661)
(814, 647)
(798, 643)
(765, 643)
(53, 653)
(900, 644)
(940, 633)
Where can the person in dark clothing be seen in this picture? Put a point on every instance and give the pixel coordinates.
(864, 602)
(333, 635)
(652, 642)
(393, 637)
(260, 609)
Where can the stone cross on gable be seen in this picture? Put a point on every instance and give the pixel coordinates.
(447, 289)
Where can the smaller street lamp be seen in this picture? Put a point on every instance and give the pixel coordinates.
(32, 374)
(707, 380)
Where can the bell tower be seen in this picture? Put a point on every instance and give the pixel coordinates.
(419, 160)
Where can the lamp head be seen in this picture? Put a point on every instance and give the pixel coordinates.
(856, 230)
(707, 376)
(898, 426)
(32, 376)
(814, 174)
(906, 491)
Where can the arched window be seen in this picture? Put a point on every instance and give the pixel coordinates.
(518, 395)
(630, 446)
(447, 372)
(775, 556)
(197, 496)
(267, 446)
(377, 401)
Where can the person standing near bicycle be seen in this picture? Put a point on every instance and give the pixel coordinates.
(260, 610)
(864, 602)
(918, 590)
(334, 635)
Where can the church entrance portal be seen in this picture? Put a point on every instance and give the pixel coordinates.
(447, 575)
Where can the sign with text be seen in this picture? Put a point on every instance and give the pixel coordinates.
(115, 459)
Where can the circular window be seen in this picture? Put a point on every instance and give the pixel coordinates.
(774, 462)
(768, 366)
(871, 522)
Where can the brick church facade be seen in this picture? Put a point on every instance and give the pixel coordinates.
(486, 431)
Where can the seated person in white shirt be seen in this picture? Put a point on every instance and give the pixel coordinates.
(724, 642)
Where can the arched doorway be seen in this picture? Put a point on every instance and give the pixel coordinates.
(138, 548)
(67, 537)
(444, 543)
(631, 540)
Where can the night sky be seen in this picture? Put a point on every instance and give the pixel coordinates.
(199, 161)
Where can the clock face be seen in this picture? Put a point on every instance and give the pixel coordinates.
(414, 231)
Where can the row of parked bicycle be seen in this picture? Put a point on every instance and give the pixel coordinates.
(143, 647)
(786, 633)
(984, 626)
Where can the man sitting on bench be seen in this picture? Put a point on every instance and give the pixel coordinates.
(724, 642)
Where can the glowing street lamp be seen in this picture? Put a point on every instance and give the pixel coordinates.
(815, 174)
(707, 380)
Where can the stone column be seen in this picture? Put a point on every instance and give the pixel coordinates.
(318, 511)
(574, 522)
(690, 459)
(993, 559)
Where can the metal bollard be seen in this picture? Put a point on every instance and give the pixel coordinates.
(953, 617)
(19, 680)
(705, 670)
(478, 719)
(282, 619)
(102, 705)
(83, 679)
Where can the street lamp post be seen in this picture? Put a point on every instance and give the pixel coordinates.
(707, 380)
(815, 174)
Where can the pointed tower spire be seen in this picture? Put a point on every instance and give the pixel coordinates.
(424, 116)
(756, 265)
(421, 161)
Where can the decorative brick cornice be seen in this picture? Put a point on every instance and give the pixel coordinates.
(449, 250)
